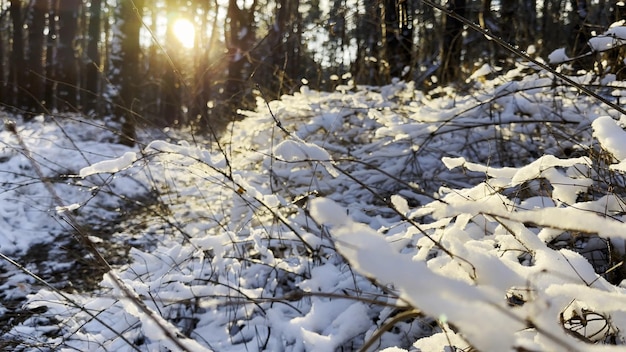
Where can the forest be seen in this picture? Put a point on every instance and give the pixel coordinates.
(122, 59)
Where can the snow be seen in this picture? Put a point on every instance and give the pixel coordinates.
(296, 151)
(109, 166)
(28, 210)
(558, 56)
(615, 36)
(611, 136)
(484, 70)
(471, 212)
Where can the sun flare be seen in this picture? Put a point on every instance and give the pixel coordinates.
(185, 32)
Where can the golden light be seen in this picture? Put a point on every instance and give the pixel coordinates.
(185, 32)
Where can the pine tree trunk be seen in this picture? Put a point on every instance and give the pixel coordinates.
(91, 94)
(398, 37)
(51, 59)
(34, 72)
(240, 36)
(124, 68)
(67, 63)
(16, 73)
(450, 69)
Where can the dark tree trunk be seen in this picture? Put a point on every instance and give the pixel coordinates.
(368, 68)
(34, 73)
(67, 62)
(239, 38)
(582, 34)
(154, 62)
(551, 26)
(172, 87)
(279, 62)
(4, 94)
(618, 9)
(130, 69)
(51, 59)
(529, 19)
(615, 57)
(202, 80)
(91, 95)
(293, 41)
(508, 21)
(452, 45)
(16, 73)
(124, 68)
(280, 56)
(398, 37)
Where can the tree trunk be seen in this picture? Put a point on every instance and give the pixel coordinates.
(51, 59)
(529, 21)
(508, 21)
(368, 68)
(201, 94)
(16, 73)
(618, 9)
(34, 73)
(91, 95)
(67, 63)
(5, 96)
(398, 37)
(279, 59)
(450, 69)
(124, 67)
(131, 51)
(172, 88)
(239, 38)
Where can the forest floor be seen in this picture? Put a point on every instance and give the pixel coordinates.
(323, 217)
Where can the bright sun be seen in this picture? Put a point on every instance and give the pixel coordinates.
(185, 32)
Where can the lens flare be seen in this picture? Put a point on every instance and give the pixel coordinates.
(185, 32)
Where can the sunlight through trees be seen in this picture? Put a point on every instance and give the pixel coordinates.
(175, 62)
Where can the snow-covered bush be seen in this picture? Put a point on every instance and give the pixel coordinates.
(374, 217)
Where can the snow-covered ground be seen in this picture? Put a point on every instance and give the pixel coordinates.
(373, 217)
